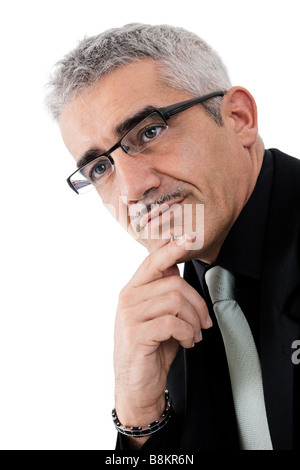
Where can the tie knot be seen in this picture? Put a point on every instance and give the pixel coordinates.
(220, 283)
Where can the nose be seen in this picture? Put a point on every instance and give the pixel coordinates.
(134, 176)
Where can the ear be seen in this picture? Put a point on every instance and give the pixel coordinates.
(239, 106)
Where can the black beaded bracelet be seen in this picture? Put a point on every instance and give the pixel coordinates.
(139, 431)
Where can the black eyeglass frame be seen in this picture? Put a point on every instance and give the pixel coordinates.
(165, 113)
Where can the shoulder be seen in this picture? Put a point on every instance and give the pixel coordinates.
(285, 196)
(285, 165)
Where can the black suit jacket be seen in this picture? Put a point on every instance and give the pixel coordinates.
(194, 379)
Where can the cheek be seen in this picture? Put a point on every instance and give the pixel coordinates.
(118, 208)
(179, 161)
(192, 154)
(110, 203)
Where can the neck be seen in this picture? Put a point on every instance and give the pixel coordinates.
(256, 153)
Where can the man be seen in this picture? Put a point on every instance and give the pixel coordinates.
(155, 126)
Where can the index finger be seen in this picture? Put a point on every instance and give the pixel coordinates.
(156, 263)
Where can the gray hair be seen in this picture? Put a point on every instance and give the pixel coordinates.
(187, 63)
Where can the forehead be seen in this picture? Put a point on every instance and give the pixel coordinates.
(90, 119)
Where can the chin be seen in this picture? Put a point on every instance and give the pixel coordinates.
(154, 245)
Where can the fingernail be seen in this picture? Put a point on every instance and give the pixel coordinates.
(186, 238)
(208, 322)
(180, 241)
(198, 337)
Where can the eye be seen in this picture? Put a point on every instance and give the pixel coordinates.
(148, 131)
(99, 169)
(151, 133)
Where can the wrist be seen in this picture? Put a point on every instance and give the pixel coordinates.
(133, 411)
(145, 424)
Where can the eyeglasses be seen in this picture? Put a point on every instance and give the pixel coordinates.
(147, 132)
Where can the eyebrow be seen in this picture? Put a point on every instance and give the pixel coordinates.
(132, 121)
(89, 156)
(120, 130)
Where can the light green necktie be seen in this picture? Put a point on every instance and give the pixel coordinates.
(243, 362)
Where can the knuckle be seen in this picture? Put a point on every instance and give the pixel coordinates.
(123, 291)
(175, 297)
(189, 333)
(148, 262)
(125, 296)
(173, 283)
(177, 282)
(177, 300)
(170, 321)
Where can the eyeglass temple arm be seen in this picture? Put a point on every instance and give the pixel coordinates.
(169, 111)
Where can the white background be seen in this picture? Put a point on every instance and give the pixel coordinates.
(63, 259)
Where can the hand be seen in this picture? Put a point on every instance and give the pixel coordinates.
(157, 312)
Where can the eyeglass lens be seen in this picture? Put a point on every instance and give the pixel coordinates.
(145, 133)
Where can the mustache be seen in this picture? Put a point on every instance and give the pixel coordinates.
(147, 207)
(140, 209)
